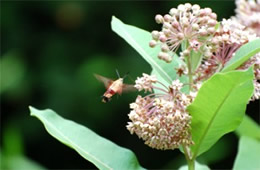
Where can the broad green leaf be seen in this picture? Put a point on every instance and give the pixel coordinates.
(196, 58)
(249, 128)
(139, 40)
(184, 45)
(248, 154)
(198, 166)
(242, 55)
(98, 150)
(219, 107)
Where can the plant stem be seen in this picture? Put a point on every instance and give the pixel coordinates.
(191, 165)
(188, 156)
(190, 161)
(189, 73)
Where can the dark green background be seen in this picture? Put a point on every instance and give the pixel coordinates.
(49, 52)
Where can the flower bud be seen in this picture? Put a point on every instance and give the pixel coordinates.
(186, 52)
(162, 38)
(173, 11)
(159, 19)
(212, 22)
(165, 48)
(208, 11)
(195, 26)
(181, 7)
(188, 6)
(167, 18)
(155, 35)
(167, 25)
(180, 36)
(167, 32)
(175, 24)
(213, 16)
(195, 7)
(211, 30)
(203, 32)
(152, 43)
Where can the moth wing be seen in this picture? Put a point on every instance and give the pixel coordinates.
(128, 88)
(107, 81)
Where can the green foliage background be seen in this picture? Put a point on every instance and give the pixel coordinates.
(49, 52)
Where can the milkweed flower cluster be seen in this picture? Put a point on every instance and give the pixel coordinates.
(187, 22)
(230, 36)
(248, 14)
(145, 82)
(161, 119)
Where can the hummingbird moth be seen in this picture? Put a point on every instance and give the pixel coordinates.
(114, 87)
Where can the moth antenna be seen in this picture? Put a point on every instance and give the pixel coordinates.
(117, 73)
(131, 78)
(127, 74)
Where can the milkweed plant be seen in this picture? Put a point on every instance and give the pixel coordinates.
(204, 73)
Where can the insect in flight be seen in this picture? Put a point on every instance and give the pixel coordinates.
(114, 86)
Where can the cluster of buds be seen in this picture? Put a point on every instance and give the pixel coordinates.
(186, 23)
(231, 32)
(145, 83)
(248, 14)
(161, 120)
(230, 36)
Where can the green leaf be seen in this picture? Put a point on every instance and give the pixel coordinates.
(215, 154)
(196, 58)
(249, 128)
(198, 166)
(98, 150)
(248, 154)
(184, 45)
(242, 55)
(139, 40)
(216, 110)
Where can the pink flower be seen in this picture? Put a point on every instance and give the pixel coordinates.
(161, 120)
(187, 22)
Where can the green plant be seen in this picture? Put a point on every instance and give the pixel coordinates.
(196, 97)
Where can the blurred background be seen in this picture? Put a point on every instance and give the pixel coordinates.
(49, 52)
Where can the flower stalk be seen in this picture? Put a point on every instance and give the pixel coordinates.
(190, 161)
(190, 73)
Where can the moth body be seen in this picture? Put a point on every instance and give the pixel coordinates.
(113, 87)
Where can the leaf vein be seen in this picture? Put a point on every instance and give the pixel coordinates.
(210, 123)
